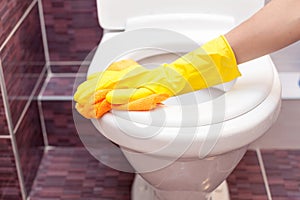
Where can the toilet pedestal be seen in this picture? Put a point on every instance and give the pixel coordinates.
(143, 190)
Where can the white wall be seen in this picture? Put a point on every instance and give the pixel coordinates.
(288, 59)
(285, 133)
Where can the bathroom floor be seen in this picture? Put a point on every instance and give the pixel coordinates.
(72, 173)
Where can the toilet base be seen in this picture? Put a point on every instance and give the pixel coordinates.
(143, 190)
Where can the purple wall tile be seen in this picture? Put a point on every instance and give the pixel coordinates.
(283, 173)
(246, 181)
(10, 12)
(9, 182)
(65, 68)
(72, 28)
(69, 68)
(59, 86)
(23, 61)
(59, 123)
(3, 121)
(30, 144)
(74, 68)
(76, 175)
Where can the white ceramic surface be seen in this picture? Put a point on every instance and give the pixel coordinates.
(114, 14)
(239, 116)
(194, 152)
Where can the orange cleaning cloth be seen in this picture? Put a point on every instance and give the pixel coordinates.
(97, 105)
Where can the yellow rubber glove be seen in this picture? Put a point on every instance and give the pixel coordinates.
(211, 64)
(90, 95)
(133, 87)
(107, 79)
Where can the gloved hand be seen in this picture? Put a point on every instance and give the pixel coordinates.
(90, 95)
(211, 64)
(107, 79)
(137, 88)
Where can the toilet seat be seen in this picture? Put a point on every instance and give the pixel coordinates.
(226, 120)
(249, 107)
(234, 134)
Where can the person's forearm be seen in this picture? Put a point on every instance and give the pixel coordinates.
(273, 27)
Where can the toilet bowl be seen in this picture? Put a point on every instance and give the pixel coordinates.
(187, 147)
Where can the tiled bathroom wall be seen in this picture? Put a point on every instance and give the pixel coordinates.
(42, 46)
(22, 73)
(72, 30)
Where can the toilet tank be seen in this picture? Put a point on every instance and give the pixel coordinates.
(114, 14)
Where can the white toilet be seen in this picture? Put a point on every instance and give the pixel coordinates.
(186, 148)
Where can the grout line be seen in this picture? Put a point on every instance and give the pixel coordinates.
(44, 33)
(10, 128)
(43, 125)
(5, 137)
(40, 95)
(57, 98)
(263, 171)
(18, 166)
(43, 97)
(51, 148)
(18, 24)
(53, 75)
(70, 63)
(44, 131)
(30, 99)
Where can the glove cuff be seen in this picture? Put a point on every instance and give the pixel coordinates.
(223, 57)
